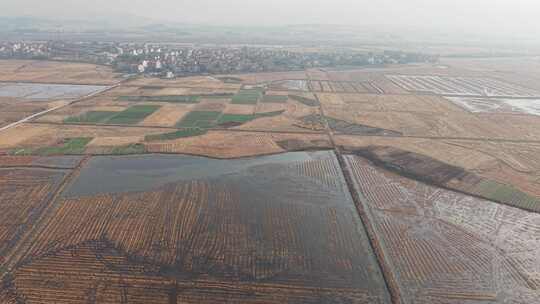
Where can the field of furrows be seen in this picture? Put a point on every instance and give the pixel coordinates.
(24, 195)
(446, 247)
(288, 231)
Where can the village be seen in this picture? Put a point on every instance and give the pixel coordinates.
(169, 61)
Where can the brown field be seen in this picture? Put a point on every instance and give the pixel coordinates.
(213, 105)
(43, 135)
(114, 141)
(239, 109)
(187, 82)
(224, 144)
(24, 134)
(259, 78)
(56, 72)
(172, 91)
(167, 115)
(396, 103)
(446, 247)
(427, 116)
(290, 120)
(265, 107)
(443, 150)
(24, 197)
(515, 164)
(13, 109)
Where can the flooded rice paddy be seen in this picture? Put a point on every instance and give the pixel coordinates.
(42, 91)
(273, 229)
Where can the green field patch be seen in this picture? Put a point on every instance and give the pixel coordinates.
(69, 146)
(190, 132)
(162, 98)
(133, 115)
(275, 99)
(199, 119)
(250, 96)
(235, 118)
(304, 100)
(238, 119)
(507, 194)
(91, 117)
(129, 149)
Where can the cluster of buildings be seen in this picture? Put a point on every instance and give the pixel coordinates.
(24, 50)
(166, 61)
(169, 60)
(89, 52)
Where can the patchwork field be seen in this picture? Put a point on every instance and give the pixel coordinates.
(201, 82)
(425, 116)
(143, 217)
(515, 165)
(446, 247)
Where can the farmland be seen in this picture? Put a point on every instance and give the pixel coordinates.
(400, 184)
(151, 236)
(446, 247)
(132, 115)
(38, 71)
(328, 86)
(25, 195)
(464, 86)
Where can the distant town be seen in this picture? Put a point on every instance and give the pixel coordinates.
(169, 61)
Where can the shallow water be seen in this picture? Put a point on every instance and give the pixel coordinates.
(41, 91)
(112, 174)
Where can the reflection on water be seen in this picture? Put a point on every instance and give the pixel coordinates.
(110, 174)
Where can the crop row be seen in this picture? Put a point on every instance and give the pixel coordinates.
(466, 86)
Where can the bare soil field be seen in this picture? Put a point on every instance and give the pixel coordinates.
(290, 120)
(187, 82)
(27, 134)
(167, 115)
(56, 72)
(226, 144)
(264, 78)
(24, 197)
(427, 116)
(114, 141)
(43, 135)
(240, 109)
(446, 247)
(388, 103)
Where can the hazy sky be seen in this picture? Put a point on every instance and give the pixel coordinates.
(477, 15)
